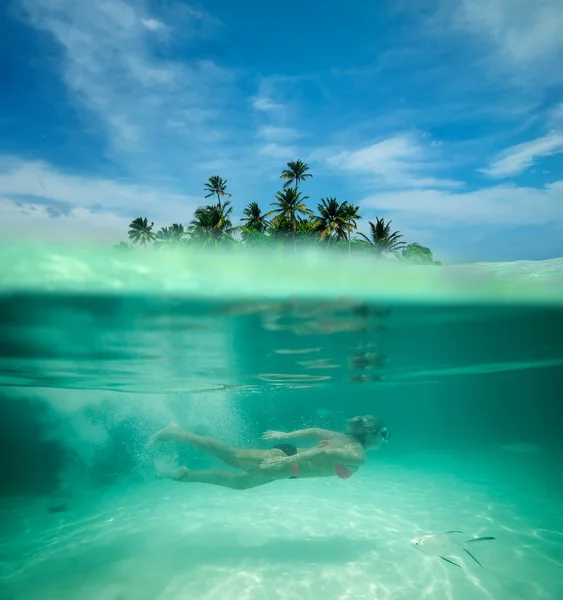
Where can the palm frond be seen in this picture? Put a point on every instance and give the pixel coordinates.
(296, 172)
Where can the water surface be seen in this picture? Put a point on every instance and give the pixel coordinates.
(99, 349)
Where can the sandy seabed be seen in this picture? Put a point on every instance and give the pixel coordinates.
(316, 539)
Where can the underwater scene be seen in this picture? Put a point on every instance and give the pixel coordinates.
(217, 425)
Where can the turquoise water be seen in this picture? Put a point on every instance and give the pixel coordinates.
(100, 349)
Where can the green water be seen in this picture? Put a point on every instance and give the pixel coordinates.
(100, 349)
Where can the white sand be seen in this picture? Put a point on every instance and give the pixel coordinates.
(316, 539)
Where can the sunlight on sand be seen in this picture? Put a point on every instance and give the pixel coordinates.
(288, 540)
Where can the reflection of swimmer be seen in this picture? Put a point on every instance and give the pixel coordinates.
(337, 454)
(364, 377)
(367, 360)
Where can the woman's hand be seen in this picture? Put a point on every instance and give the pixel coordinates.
(274, 435)
(275, 462)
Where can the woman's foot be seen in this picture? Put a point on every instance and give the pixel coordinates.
(170, 433)
(179, 474)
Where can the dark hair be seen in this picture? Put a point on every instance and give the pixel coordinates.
(363, 427)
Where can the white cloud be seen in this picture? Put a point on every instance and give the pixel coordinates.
(400, 161)
(278, 134)
(277, 151)
(525, 32)
(394, 151)
(153, 24)
(276, 137)
(159, 112)
(265, 104)
(503, 206)
(270, 101)
(34, 222)
(518, 158)
(519, 42)
(38, 200)
(556, 116)
(111, 68)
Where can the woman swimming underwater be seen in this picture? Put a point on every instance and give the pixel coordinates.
(337, 454)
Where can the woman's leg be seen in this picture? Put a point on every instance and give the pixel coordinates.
(234, 481)
(233, 457)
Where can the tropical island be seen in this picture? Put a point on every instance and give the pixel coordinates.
(289, 222)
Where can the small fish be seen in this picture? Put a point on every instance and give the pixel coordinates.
(443, 546)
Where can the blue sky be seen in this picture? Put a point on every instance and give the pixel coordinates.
(445, 116)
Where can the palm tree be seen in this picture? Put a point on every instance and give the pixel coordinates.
(296, 171)
(212, 224)
(331, 220)
(419, 254)
(289, 207)
(141, 232)
(170, 236)
(381, 239)
(254, 218)
(351, 215)
(216, 186)
(122, 246)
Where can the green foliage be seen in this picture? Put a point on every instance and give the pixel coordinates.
(140, 232)
(212, 224)
(332, 222)
(216, 186)
(308, 228)
(288, 211)
(290, 221)
(351, 216)
(381, 240)
(253, 237)
(296, 172)
(123, 246)
(172, 236)
(418, 254)
(254, 218)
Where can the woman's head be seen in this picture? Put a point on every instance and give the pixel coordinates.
(368, 430)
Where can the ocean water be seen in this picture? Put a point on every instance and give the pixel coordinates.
(100, 349)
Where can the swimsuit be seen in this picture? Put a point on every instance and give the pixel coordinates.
(289, 450)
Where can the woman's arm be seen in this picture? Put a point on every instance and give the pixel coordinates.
(348, 456)
(333, 455)
(315, 432)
